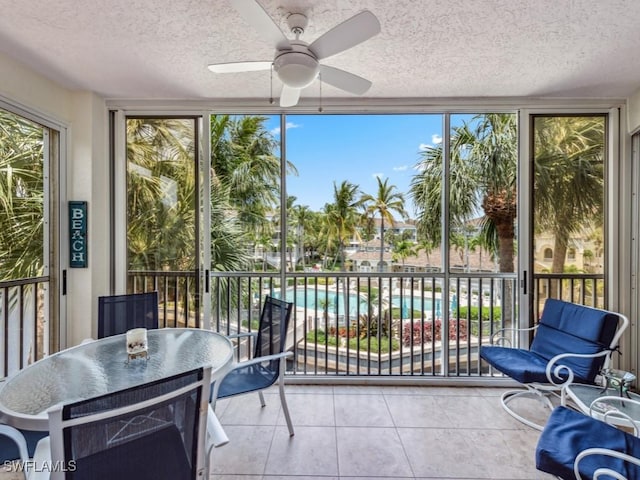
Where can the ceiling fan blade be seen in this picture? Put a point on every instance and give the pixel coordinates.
(234, 67)
(260, 20)
(344, 80)
(349, 33)
(289, 96)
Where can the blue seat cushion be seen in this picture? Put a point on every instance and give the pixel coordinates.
(521, 365)
(9, 449)
(248, 379)
(568, 432)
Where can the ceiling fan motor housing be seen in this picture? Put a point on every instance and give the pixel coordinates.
(297, 68)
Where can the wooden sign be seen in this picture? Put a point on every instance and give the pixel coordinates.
(78, 234)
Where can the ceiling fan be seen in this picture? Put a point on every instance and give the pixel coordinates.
(296, 63)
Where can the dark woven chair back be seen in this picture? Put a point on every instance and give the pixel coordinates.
(119, 313)
(150, 432)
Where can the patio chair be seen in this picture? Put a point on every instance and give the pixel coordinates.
(119, 313)
(153, 431)
(572, 343)
(267, 364)
(16, 444)
(573, 445)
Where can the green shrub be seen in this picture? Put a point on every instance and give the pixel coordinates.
(365, 344)
(473, 313)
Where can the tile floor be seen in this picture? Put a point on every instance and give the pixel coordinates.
(360, 432)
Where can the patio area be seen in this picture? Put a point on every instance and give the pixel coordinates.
(391, 432)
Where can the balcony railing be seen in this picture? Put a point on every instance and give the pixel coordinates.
(382, 324)
(344, 324)
(355, 324)
(23, 318)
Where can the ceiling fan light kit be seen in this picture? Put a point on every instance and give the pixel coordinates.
(296, 63)
(296, 69)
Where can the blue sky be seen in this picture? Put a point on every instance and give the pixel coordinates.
(358, 148)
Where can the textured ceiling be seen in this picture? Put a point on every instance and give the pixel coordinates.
(145, 49)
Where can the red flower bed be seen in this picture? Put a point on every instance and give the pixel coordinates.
(419, 333)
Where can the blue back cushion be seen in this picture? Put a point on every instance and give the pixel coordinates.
(567, 327)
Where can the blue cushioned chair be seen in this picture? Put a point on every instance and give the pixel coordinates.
(572, 343)
(119, 313)
(267, 365)
(576, 446)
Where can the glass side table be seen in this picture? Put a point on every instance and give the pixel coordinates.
(583, 397)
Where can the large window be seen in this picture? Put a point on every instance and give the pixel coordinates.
(568, 207)
(395, 236)
(162, 214)
(25, 290)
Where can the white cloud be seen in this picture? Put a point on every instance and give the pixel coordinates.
(400, 168)
(288, 125)
(377, 175)
(435, 140)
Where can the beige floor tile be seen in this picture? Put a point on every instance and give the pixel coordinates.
(359, 389)
(299, 388)
(416, 411)
(308, 409)
(246, 453)
(303, 477)
(312, 451)
(235, 477)
(389, 432)
(473, 412)
(530, 408)
(371, 452)
(246, 410)
(504, 460)
(362, 411)
(442, 453)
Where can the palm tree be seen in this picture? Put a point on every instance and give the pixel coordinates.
(160, 194)
(243, 159)
(482, 175)
(341, 217)
(404, 249)
(568, 181)
(383, 204)
(426, 245)
(300, 219)
(21, 197)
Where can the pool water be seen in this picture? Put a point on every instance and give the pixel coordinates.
(319, 299)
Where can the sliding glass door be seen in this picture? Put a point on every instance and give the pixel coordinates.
(163, 214)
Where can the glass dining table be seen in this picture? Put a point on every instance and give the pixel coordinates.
(102, 366)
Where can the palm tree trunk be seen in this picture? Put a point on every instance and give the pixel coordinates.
(380, 265)
(557, 266)
(506, 234)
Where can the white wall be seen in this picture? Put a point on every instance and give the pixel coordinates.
(87, 173)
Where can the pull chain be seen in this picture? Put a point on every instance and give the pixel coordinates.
(271, 86)
(320, 99)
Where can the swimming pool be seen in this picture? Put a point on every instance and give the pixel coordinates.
(427, 306)
(322, 298)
